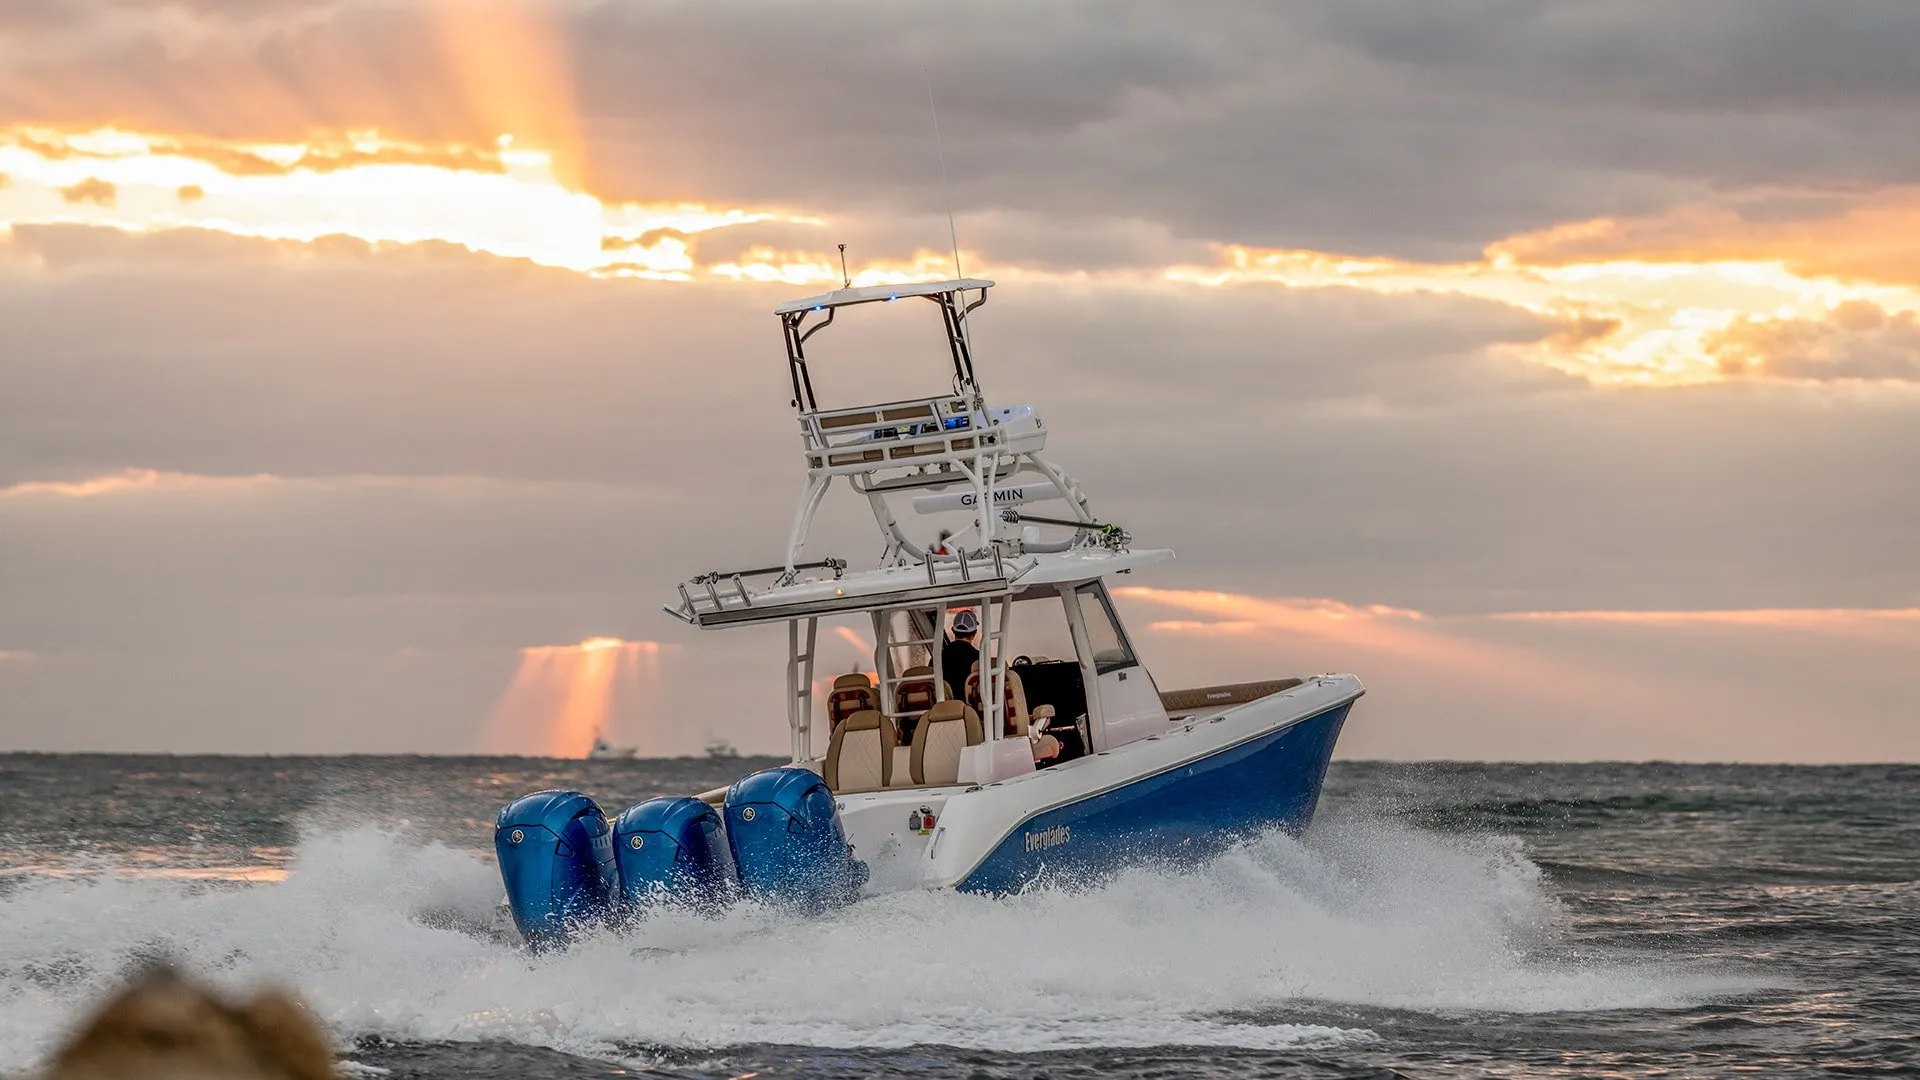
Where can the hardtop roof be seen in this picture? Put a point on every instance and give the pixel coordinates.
(737, 604)
(867, 294)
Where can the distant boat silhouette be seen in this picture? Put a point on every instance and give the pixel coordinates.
(605, 751)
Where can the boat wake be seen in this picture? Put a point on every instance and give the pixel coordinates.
(386, 935)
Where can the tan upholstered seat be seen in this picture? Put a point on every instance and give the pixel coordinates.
(947, 728)
(1013, 712)
(913, 696)
(860, 754)
(850, 694)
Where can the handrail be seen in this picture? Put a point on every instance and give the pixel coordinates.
(703, 602)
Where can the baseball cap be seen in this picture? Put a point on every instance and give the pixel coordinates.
(966, 622)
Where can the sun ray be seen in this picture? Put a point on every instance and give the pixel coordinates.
(563, 696)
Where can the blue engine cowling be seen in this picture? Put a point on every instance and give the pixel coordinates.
(787, 843)
(673, 849)
(556, 856)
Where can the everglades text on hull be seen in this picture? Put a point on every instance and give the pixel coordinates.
(1006, 731)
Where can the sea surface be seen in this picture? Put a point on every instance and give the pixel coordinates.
(1436, 921)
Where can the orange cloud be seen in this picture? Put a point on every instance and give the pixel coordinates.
(1395, 630)
(129, 481)
(1864, 236)
(1322, 617)
(1858, 340)
(1637, 321)
(1699, 296)
(1860, 623)
(1732, 617)
(510, 199)
(1225, 628)
(91, 190)
(1452, 642)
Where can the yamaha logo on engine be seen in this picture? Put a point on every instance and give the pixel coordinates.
(1049, 838)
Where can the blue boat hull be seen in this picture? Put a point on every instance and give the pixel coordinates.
(1188, 812)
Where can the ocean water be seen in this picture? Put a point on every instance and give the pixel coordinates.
(1436, 921)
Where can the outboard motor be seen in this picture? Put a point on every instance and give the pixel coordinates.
(556, 855)
(787, 842)
(675, 850)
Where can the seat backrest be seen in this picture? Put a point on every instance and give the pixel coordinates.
(850, 694)
(1014, 712)
(947, 728)
(860, 753)
(915, 693)
(1016, 704)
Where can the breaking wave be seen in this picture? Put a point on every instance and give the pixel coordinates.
(386, 935)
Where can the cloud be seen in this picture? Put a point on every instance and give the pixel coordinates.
(1714, 685)
(1630, 317)
(1762, 617)
(128, 481)
(332, 614)
(1358, 126)
(91, 190)
(285, 492)
(501, 200)
(1314, 441)
(1852, 232)
(1858, 340)
(441, 363)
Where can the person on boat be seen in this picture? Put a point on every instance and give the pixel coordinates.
(958, 653)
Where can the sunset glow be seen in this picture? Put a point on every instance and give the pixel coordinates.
(1238, 614)
(1390, 630)
(563, 696)
(128, 481)
(503, 200)
(1810, 617)
(1665, 320)
(1648, 303)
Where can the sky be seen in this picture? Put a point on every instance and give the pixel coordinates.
(372, 370)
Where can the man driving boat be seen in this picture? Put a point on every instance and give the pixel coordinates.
(958, 653)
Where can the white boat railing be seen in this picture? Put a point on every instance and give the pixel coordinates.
(914, 432)
(768, 594)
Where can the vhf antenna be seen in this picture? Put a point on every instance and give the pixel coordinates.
(945, 190)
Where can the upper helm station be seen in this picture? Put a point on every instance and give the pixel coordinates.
(950, 451)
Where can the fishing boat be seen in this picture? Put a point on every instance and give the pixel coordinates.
(1007, 733)
(602, 750)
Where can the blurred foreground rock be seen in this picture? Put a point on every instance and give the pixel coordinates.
(164, 1027)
